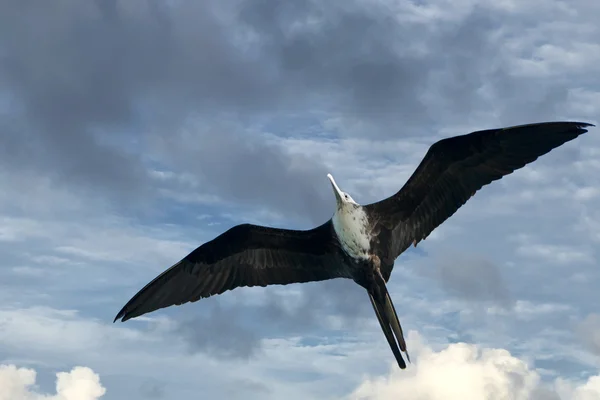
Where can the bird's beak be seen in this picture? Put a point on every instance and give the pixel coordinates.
(336, 189)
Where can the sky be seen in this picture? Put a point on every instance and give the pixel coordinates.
(133, 131)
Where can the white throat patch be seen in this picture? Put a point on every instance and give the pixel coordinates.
(350, 225)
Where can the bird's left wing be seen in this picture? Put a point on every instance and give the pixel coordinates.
(454, 169)
(245, 255)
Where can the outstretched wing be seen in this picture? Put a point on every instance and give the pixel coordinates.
(245, 255)
(454, 169)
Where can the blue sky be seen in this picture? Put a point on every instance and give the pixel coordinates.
(134, 131)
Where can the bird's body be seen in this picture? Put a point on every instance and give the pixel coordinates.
(359, 242)
(352, 228)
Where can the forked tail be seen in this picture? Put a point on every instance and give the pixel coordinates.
(388, 319)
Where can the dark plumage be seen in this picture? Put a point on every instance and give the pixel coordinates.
(453, 169)
(450, 173)
(245, 255)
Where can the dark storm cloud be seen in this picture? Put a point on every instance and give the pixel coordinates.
(241, 388)
(249, 171)
(368, 65)
(77, 74)
(87, 81)
(350, 55)
(339, 297)
(589, 332)
(235, 329)
(219, 334)
(152, 390)
(471, 278)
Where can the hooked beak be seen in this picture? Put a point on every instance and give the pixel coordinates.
(336, 189)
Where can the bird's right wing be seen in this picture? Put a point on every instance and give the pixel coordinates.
(454, 169)
(245, 255)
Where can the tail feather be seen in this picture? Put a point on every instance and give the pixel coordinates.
(385, 327)
(388, 319)
(395, 322)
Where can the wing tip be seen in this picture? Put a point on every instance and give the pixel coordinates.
(120, 316)
(124, 314)
(582, 126)
(579, 125)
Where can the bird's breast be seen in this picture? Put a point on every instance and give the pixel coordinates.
(351, 227)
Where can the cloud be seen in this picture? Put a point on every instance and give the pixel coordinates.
(81, 383)
(223, 329)
(589, 332)
(152, 390)
(469, 276)
(313, 365)
(122, 123)
(471, 372)
(315, 304)
(86, 106)
(129, 356)
(249, 170)
(590, 390)
(556, 253)
(219, 334)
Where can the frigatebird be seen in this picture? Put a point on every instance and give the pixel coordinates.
(359, 242)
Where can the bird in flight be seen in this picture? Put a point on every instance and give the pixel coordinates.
(358, 242)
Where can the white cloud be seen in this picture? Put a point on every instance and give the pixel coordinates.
(590, 390)
(469, 372)
(80, 384)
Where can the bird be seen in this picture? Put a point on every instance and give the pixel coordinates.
(359, 242)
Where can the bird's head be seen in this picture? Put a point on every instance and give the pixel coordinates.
(342, 198)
